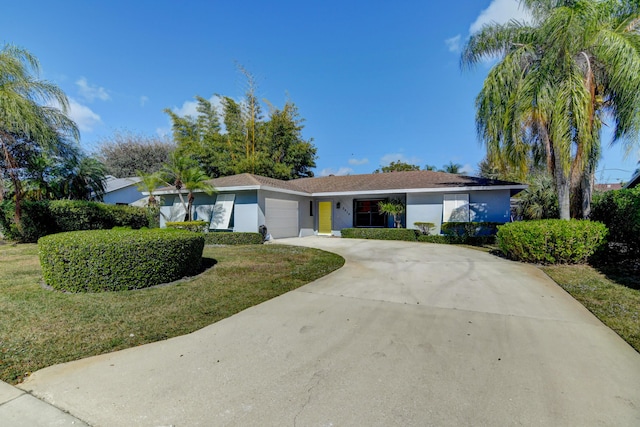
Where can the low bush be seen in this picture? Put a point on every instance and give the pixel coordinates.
(380, 233)
(47, 217)
(116, 260)
(235, 238)
(619, 210)
(471, 229)
(551, 241)
(197, 226)
(424, 227)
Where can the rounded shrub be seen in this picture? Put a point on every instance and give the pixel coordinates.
(116, 260)
(551, 241)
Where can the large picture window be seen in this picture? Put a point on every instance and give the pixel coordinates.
(367, 214)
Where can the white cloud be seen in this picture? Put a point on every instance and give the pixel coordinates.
(357, 162)
(331, 171)
(143, 100)
(84, 117)
(453, 44)
(190, 108)
(467, 169)
(499, 12)
(395, 157)
(91, 92)
(163, 132)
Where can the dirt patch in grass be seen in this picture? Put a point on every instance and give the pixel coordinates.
(39, 328)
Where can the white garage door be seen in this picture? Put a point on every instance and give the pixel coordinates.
(281, 217)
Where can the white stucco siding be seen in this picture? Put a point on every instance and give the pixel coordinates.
(425, 207)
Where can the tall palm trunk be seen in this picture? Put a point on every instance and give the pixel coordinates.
(563, 187)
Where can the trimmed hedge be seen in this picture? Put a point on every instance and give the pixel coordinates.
(458, 240)
(48, 217)
(471, 229)
(197, 226)
(235, 238)
(551, 241)
(404, 234)
(117, 260)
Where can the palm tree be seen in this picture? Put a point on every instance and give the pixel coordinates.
(394, 208)
(26, 119)
(149, 183)
(183, 172)
(451, 168)
(555, 81)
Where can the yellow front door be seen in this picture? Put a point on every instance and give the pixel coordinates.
(324, 217)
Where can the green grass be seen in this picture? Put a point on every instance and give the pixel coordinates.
(39, 327)
(611, 294)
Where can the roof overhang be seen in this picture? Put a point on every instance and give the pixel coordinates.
(514, 189)
(511, 188)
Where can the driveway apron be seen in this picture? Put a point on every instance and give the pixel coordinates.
(405, 334)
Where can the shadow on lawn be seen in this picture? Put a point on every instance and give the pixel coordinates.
(206, 264)
(619, 265)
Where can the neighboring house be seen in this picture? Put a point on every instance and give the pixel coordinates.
(634, 181)
(123, 191)
(601, 188)
(325, 205)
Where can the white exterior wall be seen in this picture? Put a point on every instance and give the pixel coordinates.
(305, 221)
(425, 207)
(484, 206)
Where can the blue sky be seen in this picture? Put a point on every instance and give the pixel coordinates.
(376, 81)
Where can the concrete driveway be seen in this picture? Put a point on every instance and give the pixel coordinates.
(405, 334)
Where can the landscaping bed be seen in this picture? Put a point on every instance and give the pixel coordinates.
(39, 327)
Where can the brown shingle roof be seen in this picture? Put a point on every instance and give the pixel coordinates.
(358, 183)
(393, 181)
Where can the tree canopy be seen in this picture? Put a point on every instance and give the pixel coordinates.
(124, 154)
(35, 131)
(239, 139)
(555, 82)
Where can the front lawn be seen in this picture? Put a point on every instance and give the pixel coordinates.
(612, 295)
(39, 327)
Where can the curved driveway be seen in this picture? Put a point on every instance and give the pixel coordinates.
(405, 334)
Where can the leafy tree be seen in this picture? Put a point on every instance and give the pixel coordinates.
(84, 179)
(29, 127)
(394, 208)
(125, 153)
(274, 147)
(430, 168)
(398, 166)
(555, 81)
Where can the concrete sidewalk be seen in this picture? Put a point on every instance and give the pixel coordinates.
(405, 334)
(19, 409)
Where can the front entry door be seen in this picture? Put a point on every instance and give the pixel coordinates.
(324, 217)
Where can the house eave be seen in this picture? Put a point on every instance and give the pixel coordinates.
(420, 190)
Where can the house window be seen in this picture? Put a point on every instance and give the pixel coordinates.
(367, 214)
(311, 208)
(455, 208)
